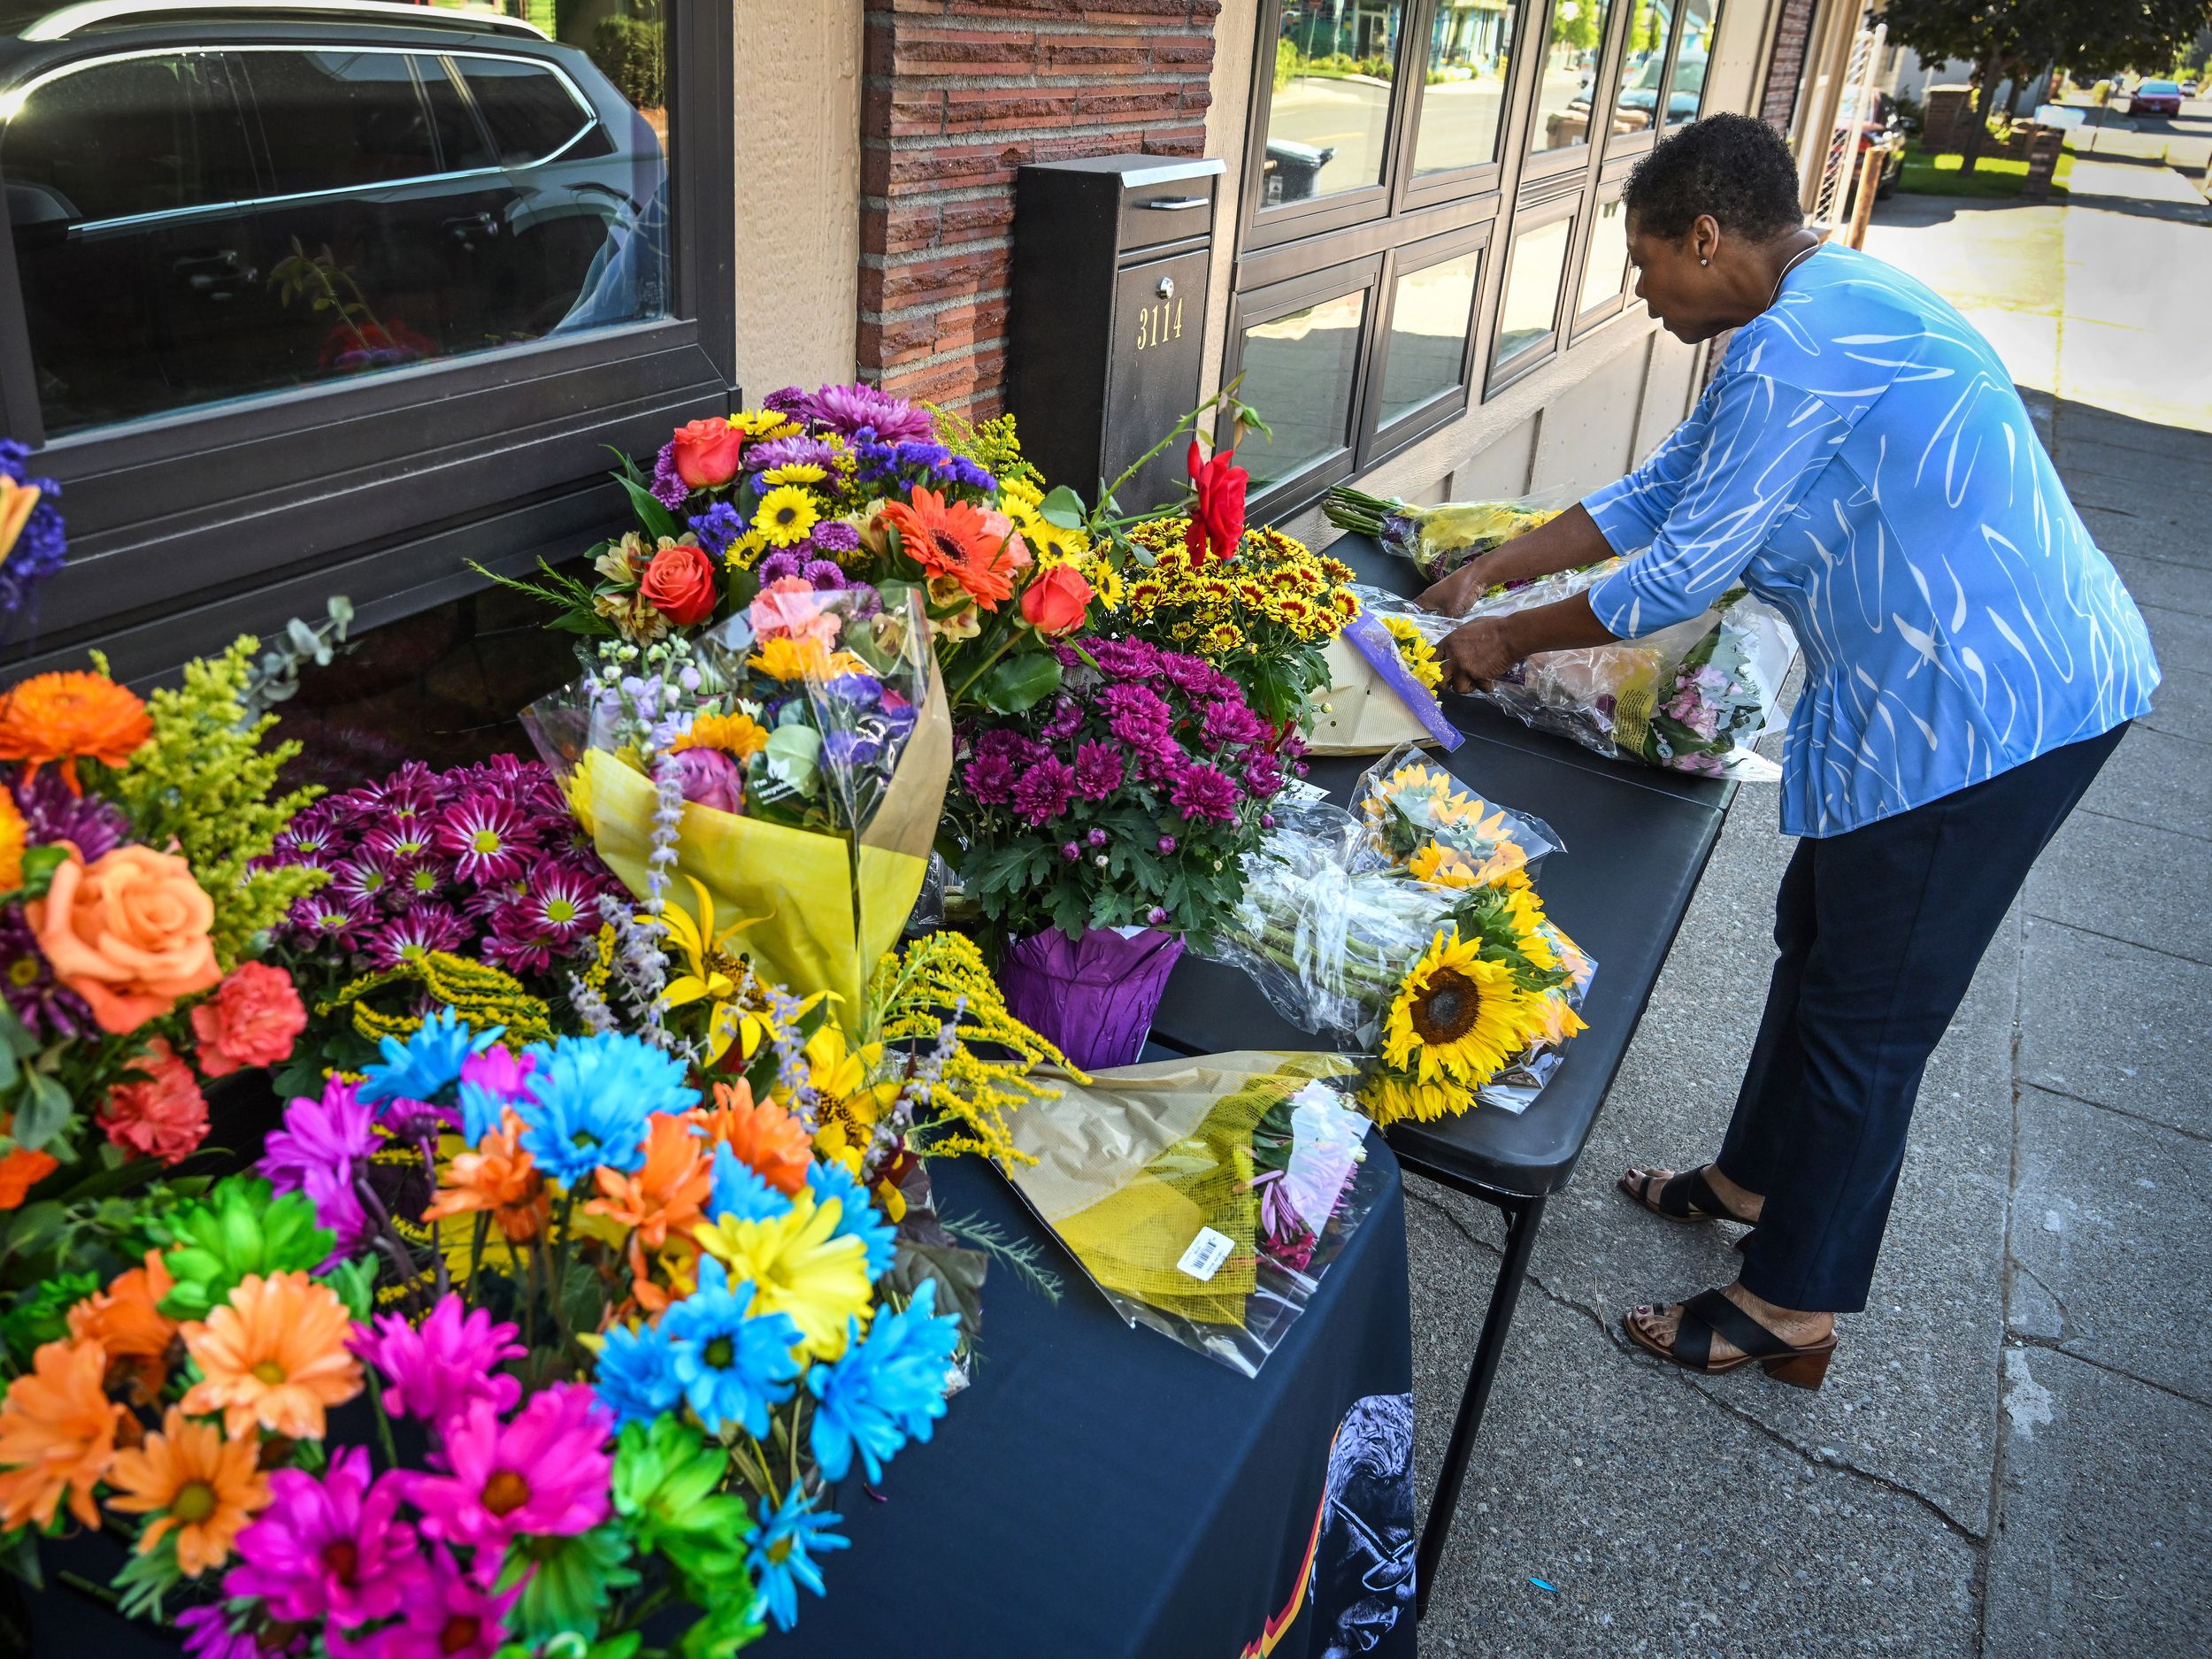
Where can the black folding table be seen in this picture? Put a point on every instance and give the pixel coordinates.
(1636, 843)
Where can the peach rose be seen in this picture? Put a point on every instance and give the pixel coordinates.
(162, 1114)
(252, 1020)
(127, 933)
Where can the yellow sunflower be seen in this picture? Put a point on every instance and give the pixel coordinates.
(1413, 646)
(1455, 1018)
(1390, 1099)
(785, 515)
(798, 1266)
(737, 734)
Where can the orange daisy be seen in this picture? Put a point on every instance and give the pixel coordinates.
(764, 1135)
(57, 1435)
(21, 1171)
(125, 1318)
(665, 1194)
(275, 1354)
(500, 1176)
(955, 539)
(14, 834)
(65, 718)
(205, 1487)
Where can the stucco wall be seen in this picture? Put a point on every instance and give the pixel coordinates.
(798, 146)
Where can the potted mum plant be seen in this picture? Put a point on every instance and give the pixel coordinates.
(1106, 823)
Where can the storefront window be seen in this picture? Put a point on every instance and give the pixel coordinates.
(1568, 76)
(1463, 107)
(1430, 315)
(1328, 123)
(1533, 275)
(1298, 373)
(1643, 66)
(1700, 20)
(1605, 270)
(198, 216)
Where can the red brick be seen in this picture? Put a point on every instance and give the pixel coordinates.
(1197, 95)
(1149, 11)
(941, 381)
(944, 168)
(1092, 55)
(903, 228)
(899, 341)
(965, 52)
(959, 326)
(927, 282)
(971, 221)
(995, 110)
(899, 111)
(1195, 51)
(1134, 103)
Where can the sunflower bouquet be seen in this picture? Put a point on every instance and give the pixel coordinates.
(1451, 981)
(133, 912)
(1423, 821)
(1437, 539)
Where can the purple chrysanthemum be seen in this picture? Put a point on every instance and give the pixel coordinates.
(482, 833)
(1045, 791)
(795, 451)
(852, 409)
(414, 933)
(666, 488)
(51, 813)
(831, 537)
(28, 981)
(1203, 792)
(1099, 771)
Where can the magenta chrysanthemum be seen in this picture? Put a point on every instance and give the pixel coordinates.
(544, 1473)
(451, 1617)
(436, 1371)
(483, 835)
(333, 1548)
(415, 933)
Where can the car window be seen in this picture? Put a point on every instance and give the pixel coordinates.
(528, 107)
(335, 120)
(149, 135)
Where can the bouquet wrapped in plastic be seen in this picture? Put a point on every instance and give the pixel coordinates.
(1438, 538)
(1694, 697)
(1204, 1197)
(802, 745)
(1451, 980)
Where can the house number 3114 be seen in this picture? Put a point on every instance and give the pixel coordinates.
(1159, 324)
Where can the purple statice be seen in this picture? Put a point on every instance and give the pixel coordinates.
(718, 527)
(851, 410)
(831, 537)
(845, 750)
(1099, 771)
(95, 826)
(767, 456)
(1045, 791)
(666, 488)
(27, 980)
(919, 464)
(1205, 792)
(42, 546)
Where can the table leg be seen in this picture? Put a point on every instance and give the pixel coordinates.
(1521, 1222)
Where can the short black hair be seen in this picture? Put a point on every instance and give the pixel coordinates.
(1734, 167)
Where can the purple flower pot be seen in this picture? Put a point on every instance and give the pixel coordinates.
(1093, 997)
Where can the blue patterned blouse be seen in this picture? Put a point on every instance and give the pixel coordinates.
(1863, 462)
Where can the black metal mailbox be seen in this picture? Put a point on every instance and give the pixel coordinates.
(1108, 319)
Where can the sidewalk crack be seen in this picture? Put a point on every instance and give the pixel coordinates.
(2043, 1345)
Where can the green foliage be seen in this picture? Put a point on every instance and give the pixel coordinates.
(42, 1315)
(207, 782)
(632, 53)
(2085, 37)
(991, 445)
(242, 1227)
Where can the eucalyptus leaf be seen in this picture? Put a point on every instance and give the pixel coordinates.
(42, 1113)
(793, 756)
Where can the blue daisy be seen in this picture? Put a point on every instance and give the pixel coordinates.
(886, 1390)
(738, 1190)
(731, 1367)
(857, 1218)
(588, 1101)
(428, 1061)
(636, 1374)
(782, 1556)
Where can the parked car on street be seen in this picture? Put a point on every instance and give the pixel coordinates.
(2155, 98)
(209, 202)
(1885, 130)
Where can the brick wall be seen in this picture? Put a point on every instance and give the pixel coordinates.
(957, 95)
(1793, 31)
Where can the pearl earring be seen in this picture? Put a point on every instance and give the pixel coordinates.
(1705, 262)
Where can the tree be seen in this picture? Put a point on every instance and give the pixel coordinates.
(2018, 38)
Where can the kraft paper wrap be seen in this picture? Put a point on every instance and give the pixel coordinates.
(1131, 1168)
(1367, 717)
(798, 882)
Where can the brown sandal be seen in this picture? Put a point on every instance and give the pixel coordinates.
(1688, 1196)
(1709, 1314)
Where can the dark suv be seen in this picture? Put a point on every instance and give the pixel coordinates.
(211, 200)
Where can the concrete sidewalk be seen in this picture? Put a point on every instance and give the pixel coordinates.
(2013, 1455)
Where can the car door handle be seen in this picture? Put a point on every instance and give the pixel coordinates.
(213, 275)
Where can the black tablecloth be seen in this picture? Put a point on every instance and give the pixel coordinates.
(1098, 1492)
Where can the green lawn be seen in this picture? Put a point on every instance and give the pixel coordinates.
(1992, 175)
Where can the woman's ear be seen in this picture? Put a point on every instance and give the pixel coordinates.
(1705, 239)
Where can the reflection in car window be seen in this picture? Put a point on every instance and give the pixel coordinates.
(201, 213)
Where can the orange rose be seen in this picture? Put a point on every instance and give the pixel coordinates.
(1054, 602)
(679, 584)
(128, 934)
(705, 453)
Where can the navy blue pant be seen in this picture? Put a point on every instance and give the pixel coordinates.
(1881, 929)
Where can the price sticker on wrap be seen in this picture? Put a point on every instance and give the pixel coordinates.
(1207, 1252)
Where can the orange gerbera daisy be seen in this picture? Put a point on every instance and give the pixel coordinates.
(65, 718)
(500, 1176)
(275, 1354)
(125, 1318)
(205, 1487)
(764, 1135)
(57, 1433)
(665, 1194)
(954, 538)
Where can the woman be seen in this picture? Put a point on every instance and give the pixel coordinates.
(1861, 461)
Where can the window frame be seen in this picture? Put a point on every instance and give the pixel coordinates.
(1607, 190)
(191, 526)
(1531, 216)
(1620, 144)
(1543, 166)
(1449, 404)
(1452, 184)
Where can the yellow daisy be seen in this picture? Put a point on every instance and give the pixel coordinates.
(784, 515)
(736, 734)
(1456, 1017)
(796, 472)
(764, 423)
(745, 551)
(798, 1266)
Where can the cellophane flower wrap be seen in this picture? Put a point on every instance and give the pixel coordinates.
(1694, 697)
(782, 775)
(1412, 935)
(34, 541)
(1439, 538)
(132, 914)
(1206, 1198)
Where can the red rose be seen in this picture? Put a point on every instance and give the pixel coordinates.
(1217, 515)
(705, 453)
(252, 1019)
(1054, 603)
(679, 584)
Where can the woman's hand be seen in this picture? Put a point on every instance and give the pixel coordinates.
(1452, 596)
(1483, 650)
